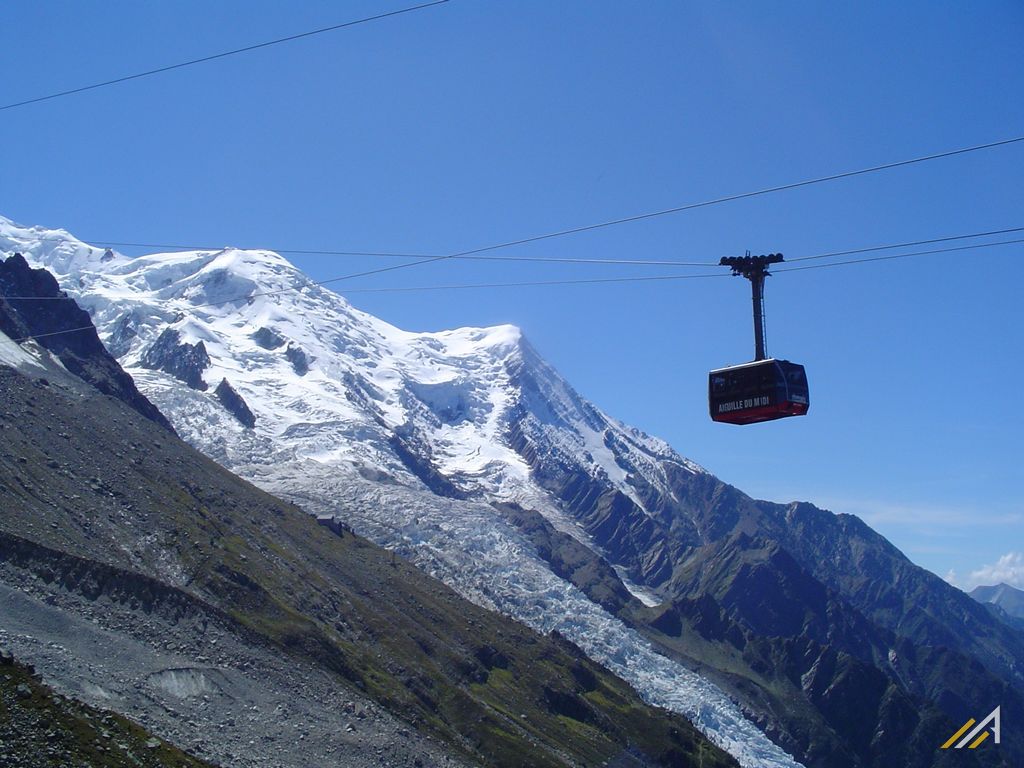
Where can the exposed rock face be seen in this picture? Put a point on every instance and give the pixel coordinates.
(751, 595)
(417, 460)
(234, 403)
(181, 360)
(62, 327)
(645, 545)
(298, 359)
(268, 338)
(124, 333)
(571, 560)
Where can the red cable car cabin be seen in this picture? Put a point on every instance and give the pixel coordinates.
(759, 391)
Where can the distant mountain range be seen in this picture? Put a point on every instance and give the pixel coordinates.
(465, 452)
(1009, 600)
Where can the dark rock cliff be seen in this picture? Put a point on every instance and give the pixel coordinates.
(185, 362)
(235, 404)
(33, 306)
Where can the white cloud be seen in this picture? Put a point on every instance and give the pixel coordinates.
(1009, 569)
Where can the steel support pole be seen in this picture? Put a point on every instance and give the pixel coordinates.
(755, 269)
(757, 287)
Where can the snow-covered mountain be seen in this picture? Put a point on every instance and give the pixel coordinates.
(409, 437)
(469, 454)
(469, 413)
(332, 384)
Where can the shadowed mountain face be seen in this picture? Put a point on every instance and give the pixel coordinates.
(140, 574)
(46, 309)
(783, 592)
(826, 682)
(883, 696)
(805, 609)
(468, 453)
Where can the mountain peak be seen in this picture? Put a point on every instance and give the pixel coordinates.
(56, 249)
(1007, 597)
(495, 340)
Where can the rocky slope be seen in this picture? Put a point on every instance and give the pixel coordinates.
(41, 729)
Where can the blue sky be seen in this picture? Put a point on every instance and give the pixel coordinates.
(480, 122)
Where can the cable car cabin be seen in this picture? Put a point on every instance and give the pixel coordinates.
(758, 391)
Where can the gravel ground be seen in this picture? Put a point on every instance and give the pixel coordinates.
(199, 686)
(41, 729)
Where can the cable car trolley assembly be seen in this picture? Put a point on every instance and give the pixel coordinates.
(765, 388)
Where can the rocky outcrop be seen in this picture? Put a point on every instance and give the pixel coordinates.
(413, 456)
(234, 404)
(298, 358)
(570, 559)
(185, 362)
(268, 338)
(124, 334)
(631, 537)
